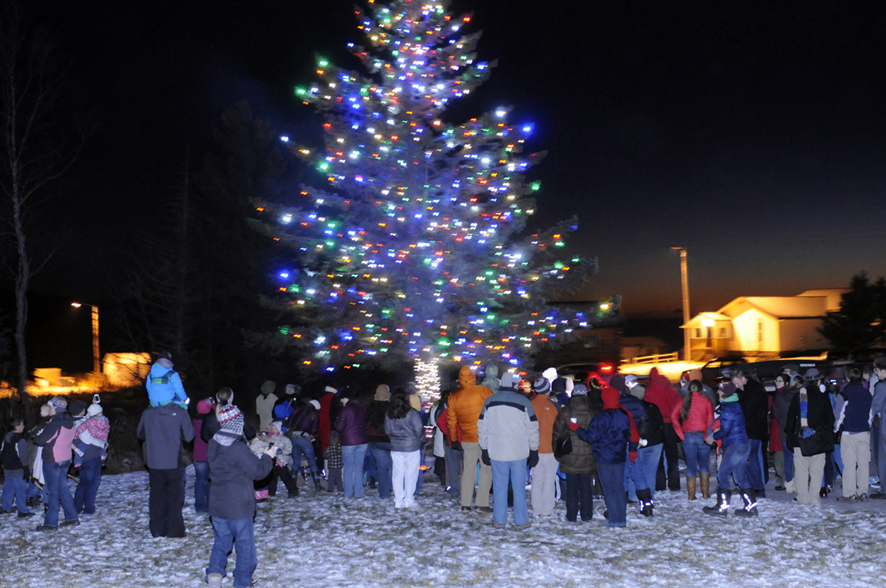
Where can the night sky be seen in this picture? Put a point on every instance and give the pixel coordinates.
(753, 134)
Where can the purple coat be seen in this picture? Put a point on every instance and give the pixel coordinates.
(352, 424)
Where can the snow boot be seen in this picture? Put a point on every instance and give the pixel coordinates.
(749, 497)
(214, 580)
(705, 485)
(722, 506)
(316, 479)
(690, 486)
(645, 498)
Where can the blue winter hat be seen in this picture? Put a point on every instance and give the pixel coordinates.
(509, 380)
(541, 385)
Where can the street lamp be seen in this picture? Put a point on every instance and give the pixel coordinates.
(684, 278)
(96, 360)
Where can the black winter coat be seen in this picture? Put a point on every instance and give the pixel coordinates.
(755, 404)
(654, 425)
(819, 414)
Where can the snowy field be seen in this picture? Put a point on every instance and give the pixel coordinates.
(320, 540)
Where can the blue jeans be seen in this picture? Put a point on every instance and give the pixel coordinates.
(15, 487)
(580, 497)
(453, 469)
(239, 534)
(735, 464)
(698, 454)
(201, 486)
(515, 471)
(352, 473)
(55, 475)
(635, 479)
(648, 458)
(755, 474)
(303, 446)
(612, 478)
(90, 478)
(381, 453)
(788, 464)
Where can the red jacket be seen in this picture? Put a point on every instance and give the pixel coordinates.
(700, 417)
(662, 394)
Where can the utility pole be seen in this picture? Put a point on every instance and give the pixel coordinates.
(684, 279)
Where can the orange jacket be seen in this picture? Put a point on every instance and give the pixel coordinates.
(465, 405)
(546, 413)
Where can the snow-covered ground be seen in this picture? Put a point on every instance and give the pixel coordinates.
(321, 540)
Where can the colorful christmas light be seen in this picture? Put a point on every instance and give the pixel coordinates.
(411, 252)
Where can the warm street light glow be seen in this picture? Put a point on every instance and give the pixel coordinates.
(684, 280)
(96, 358)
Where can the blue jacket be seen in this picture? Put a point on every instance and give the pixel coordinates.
(732, 427)
(164, 386)
(608, 433)
(637, 408)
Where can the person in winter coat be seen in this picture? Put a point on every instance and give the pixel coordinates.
(613, 436)
(734, 438)
(855, 443)
(878, 412)
(352, 427)
(285, 406)
(810, 415)
(164, 428)
(508, 437)
(379, 442)
(326, 420)
(662, 394)
(578, 465)
(462, 414)
(648, 455)
(691, 420)
(755, 404)
(491, 379)
(283, 460)
(404, 428)
(784, 394)
(264, 405)
(233, 469)
(164, 384)
(635, 480)
(56, 439)
(544, 474)
(93, 432)
(14, 455)
(201, 459)
(302, 427)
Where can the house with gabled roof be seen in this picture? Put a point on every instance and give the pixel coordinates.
(763, 326)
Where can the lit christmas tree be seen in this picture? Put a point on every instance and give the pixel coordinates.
(411, 253)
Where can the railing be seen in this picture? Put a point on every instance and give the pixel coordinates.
(657, 358)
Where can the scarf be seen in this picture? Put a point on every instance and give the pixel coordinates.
(804, 408)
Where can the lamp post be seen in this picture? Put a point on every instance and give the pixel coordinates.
(684, 279)
(96, 359)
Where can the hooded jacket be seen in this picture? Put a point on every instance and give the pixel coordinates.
(465, 406)
(233, 469)
(163, 428)
(352, 424)
(732, 426)
(164, 384)
(581, 459)
(660, 393)
(57, 437)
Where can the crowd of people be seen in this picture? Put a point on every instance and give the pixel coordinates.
(619, 440)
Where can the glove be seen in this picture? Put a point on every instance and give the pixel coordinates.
(486, 459)
(643, 443)
(533, 458)
(573, 426)
(456, 446)
(807, 433)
